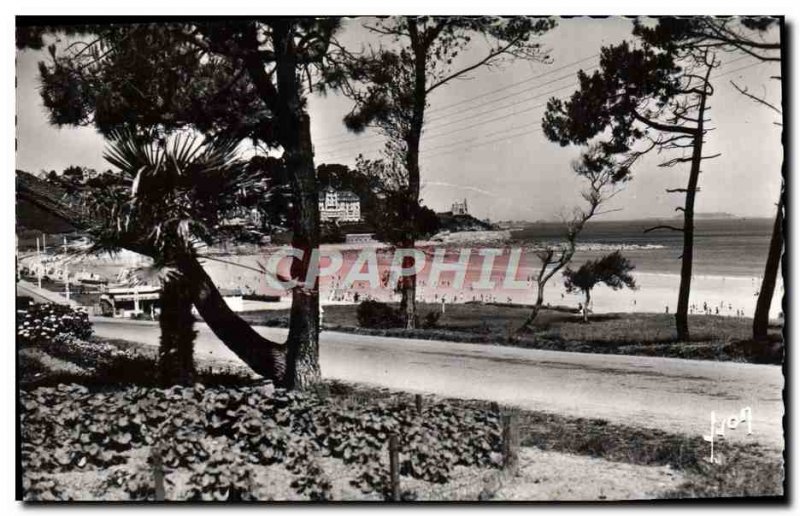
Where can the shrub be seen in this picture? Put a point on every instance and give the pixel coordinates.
(219, 434)
(45, 323)
(374, 314)
(431, 320)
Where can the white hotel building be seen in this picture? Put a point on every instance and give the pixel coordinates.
(339, 206)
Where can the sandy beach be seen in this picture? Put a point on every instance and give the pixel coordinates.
(726, 295)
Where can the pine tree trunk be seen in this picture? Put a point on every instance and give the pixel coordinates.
(408, 295)
(410, 302)
(292, 130)
(176, 353)
(682, 311)
(294, 134)
(586, 306)
(409, 285)
(761, 317)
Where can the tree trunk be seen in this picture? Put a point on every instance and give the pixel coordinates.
(176, 353)
(537, 307)
(682, 311)
(408, 301)
(292, 129)
(586, 306)
(409, 284)
(761, 317)
(294, 134)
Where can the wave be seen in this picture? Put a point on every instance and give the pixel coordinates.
(597, 246)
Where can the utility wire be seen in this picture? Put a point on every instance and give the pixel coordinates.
(460, 144)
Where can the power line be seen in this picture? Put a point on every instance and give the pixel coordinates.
(480, 113)
(459, 145)
(479, 137)
(751, 65)
(427, 135)
(346, 137)
(351, 145)
(551, 71)
(532, 88)
(504, 138)
(492, 92)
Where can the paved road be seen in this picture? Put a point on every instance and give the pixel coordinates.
(40, 295)
(672, 394)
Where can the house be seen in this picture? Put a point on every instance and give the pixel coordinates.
(339, 206)
(460, 208)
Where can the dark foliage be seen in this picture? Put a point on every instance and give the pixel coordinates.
(374, 314)
(613, 270)
(217, 434)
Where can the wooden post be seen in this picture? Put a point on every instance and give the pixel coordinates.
(418, 403)
(510, 442)
(394, 467)
(158, 473)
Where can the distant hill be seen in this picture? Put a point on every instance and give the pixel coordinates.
(713, 215)
(41, 208)
(453, 223)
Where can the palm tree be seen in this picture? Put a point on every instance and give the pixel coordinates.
(168, 197)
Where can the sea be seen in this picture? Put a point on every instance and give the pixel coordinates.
(722, 247)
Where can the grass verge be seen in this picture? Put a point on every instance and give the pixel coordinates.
(647, 334)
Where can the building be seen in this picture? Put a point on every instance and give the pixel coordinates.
(460, 208)
(130, 301)
(339, 206)
(144, 300)
(360, 238)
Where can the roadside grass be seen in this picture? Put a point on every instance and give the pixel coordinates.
(650, 334)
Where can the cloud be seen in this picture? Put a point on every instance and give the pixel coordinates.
(463, 187)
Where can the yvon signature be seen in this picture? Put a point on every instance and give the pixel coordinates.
(731, 424)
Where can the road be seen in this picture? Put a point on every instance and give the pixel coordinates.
(40, 295)
(675, 395)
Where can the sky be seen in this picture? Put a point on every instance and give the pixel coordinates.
(483, 141)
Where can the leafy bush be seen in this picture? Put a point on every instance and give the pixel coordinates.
(47, 323)
(218, 433)
(224, 477)
(40, 488)
(374, 314)
(431, 320)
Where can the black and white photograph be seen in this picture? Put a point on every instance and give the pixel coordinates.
(400, 258)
